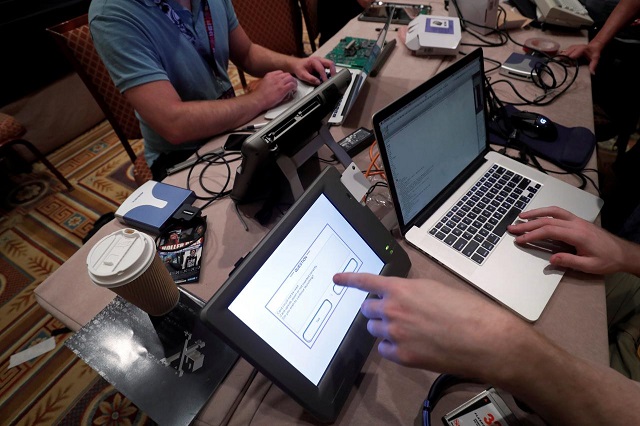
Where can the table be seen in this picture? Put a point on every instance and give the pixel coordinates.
(575, 318)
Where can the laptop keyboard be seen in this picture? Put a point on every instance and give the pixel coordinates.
(336, 109)
(477, 222)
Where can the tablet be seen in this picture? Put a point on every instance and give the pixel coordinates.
(280, 309)
(288, 134)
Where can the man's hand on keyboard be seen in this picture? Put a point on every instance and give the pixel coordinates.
(274, 87)
(597, 251)
(313, 69)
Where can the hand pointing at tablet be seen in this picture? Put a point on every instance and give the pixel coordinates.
(426, 324)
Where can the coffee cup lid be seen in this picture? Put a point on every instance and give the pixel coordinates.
(120, 257)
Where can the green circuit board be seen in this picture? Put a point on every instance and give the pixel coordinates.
(352, 52)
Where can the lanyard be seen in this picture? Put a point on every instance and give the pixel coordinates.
(209, 57)
(175, 18)
(208, 23)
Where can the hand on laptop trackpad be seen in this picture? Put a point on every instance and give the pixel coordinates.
(551, 246)
(548, 245)
(301, 92)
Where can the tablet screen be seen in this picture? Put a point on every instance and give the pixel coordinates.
(291, 301)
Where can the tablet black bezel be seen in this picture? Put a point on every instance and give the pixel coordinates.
(325, 400)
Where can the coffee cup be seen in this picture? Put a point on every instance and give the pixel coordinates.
(126, 262)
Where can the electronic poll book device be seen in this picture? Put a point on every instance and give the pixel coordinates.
(282, 312)
(285, 135)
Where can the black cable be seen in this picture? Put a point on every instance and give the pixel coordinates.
(324, 160)
(528, 153)
(497, 63)
(593, 183)
(373, 187)
(464, 23)
(493, 61)
(550, 92)
(527, 156)
(543, 76)
(212, 158)
(437, 390)
(497, 113)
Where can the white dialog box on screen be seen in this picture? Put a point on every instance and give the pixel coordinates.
(307, 297)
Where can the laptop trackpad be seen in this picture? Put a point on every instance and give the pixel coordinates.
(530, 279)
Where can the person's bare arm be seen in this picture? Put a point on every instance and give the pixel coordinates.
(565, 389)
(429, 325)
(624, 13)
(597, 251)
(258, 60)
(177, 121)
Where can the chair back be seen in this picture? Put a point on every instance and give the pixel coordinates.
(276, 24)
(310, 14)
(74, 39)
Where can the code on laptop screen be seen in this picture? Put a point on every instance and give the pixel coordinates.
(435, 137)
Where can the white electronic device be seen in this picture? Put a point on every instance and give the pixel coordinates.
(434, 35)
(565, 13)
(480, 16)
(523, 67)
(151, 206)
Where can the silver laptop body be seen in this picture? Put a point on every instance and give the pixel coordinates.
(435, 149)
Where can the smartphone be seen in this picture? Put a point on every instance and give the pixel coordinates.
(235, 140)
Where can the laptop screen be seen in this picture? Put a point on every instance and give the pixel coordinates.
(436, 135)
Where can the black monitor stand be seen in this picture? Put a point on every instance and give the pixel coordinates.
(289, 165)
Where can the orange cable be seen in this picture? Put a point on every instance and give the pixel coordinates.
(374, 158)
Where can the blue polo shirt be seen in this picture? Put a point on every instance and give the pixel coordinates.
(139, 44)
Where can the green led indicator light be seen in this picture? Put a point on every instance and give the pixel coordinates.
(391, 252)
(387, 248)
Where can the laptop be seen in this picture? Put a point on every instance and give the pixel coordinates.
(454, 197)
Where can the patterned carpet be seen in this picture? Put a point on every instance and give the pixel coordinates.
(43, 229)
(41, 226)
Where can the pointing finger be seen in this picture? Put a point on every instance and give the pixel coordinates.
(367, 282)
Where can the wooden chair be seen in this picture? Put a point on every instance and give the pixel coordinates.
(74, 39)
(276, 25)
(11, 132)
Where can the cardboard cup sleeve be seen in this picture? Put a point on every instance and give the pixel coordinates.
(126, 262)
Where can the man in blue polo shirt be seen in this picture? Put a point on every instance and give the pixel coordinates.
(169, 58)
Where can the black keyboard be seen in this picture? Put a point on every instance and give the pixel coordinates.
(477, 222)
(337, 107)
